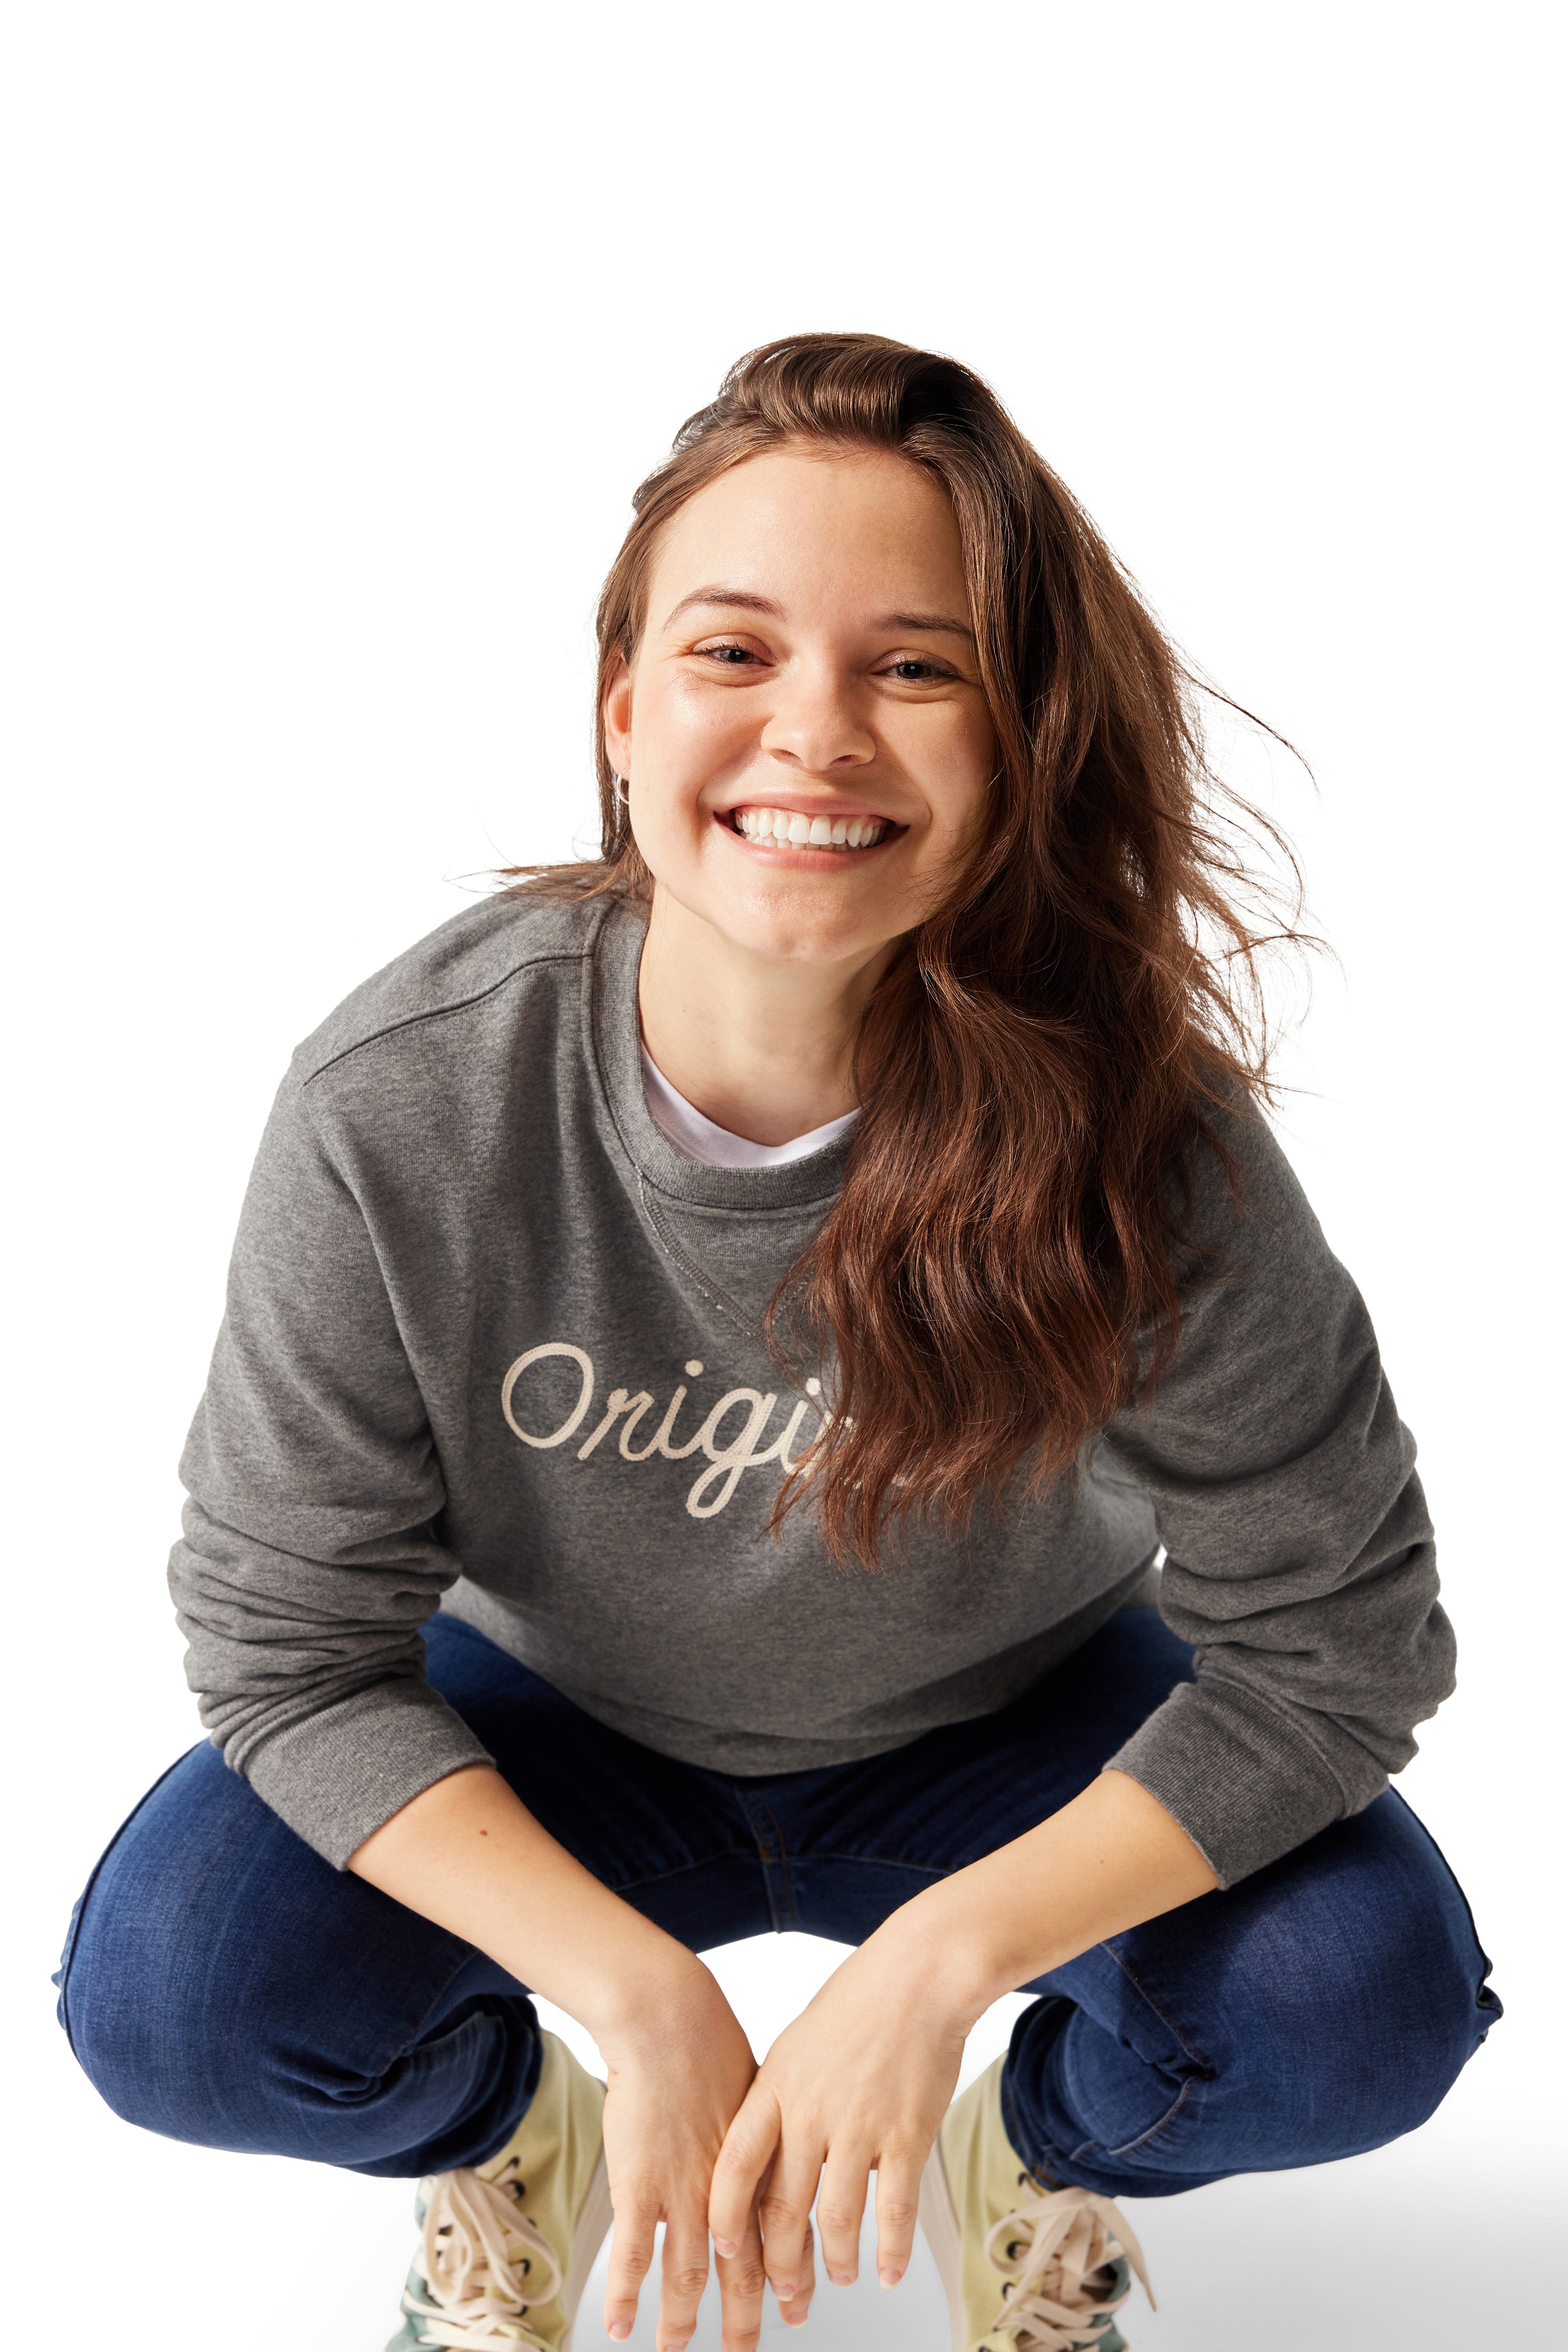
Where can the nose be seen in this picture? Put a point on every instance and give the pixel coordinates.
(814, 723)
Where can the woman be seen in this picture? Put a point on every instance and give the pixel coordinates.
(717, 1341)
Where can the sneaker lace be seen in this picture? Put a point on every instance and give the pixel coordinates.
(1051, 2248)
(485, 2264)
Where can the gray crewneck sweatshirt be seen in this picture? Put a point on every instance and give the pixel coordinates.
(492, 1344)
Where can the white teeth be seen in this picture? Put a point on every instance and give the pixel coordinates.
(818, 831)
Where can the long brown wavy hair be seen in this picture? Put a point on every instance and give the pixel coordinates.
(1001, 1272)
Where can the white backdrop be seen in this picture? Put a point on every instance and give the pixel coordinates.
(340, 335)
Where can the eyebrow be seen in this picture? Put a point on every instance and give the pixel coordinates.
(739, 598)
(742, 600)
(930, 623)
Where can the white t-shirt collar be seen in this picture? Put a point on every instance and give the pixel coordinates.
(682, 1123)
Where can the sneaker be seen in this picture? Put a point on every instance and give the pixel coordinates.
(508, 2246)
(1026, 2269)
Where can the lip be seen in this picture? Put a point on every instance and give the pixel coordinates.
(809, 805)
(816, 855)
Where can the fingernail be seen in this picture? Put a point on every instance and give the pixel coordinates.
(843, 2278)
(783, 2288)
(727, 2245)
(620, 2331)
(890, 2277)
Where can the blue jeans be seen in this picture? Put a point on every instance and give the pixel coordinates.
(221, 1984)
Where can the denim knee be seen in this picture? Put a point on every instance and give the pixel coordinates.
(144, 1990)
(1406, 2007)
(223, 1985)
(1355, 1990)
(1319, 2008)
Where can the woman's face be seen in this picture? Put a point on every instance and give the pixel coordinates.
(808, 746)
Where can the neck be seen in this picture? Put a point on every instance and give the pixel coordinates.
(760, 1044)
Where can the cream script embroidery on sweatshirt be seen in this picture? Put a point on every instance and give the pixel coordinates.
(714, 1486)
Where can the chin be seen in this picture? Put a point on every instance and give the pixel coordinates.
(782, 935)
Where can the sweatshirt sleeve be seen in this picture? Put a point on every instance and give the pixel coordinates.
(1300, 1555)
(309, 1559)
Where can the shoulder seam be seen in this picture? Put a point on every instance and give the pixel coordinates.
(440, 1011)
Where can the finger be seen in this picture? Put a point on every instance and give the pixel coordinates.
(840, 2203)
(740, 2284)
(793, 2313)
(684, 2277)
(786, 2208)
(746, 2153)
(897, 2210)
(630, 2255)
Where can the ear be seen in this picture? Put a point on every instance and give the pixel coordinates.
(618, 717)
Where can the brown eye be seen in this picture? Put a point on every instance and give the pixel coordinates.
(913, 673)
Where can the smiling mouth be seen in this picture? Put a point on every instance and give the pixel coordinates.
(788, 829)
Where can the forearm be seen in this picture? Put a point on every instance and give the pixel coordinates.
(467, 1853)
(1107, 1860)
(862, 2079)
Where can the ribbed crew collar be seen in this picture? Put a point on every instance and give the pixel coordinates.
(615, 1047)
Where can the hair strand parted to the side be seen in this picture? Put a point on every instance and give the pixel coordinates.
(1037, 1069)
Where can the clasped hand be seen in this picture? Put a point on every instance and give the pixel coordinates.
(699, 2137)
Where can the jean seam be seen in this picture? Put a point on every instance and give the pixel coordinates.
(783, 1867)
(662, 1877)
(880, 1861)
(1482, 1952)
(758, 1852)
(1128, 2147)
(772, 1874)
(1041, 2166)
(405, 2049)
(1204, 2065)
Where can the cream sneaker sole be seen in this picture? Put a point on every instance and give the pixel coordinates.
(939, 2220)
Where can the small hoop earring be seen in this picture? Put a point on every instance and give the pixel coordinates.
(623, 791)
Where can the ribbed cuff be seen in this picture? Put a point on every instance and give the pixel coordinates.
(1245, 1785)
(336, 1777)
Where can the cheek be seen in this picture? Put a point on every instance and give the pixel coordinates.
(681, 730)
(957, 769)
(682, 744)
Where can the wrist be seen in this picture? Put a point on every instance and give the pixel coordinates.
(936, 1947)
(660, 1997)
